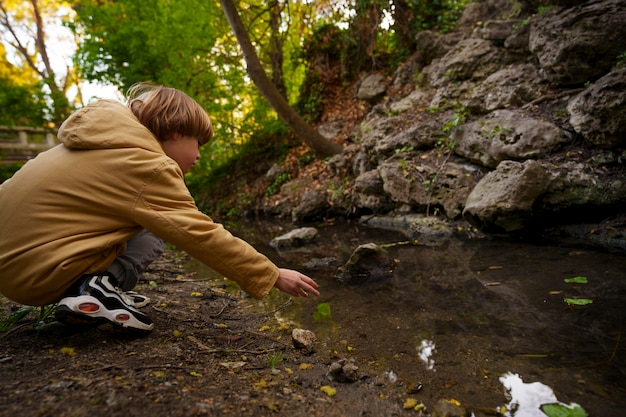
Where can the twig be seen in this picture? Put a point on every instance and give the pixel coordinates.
(136, 368)
(280, 307)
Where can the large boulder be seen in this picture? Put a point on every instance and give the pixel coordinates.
(580, 190)
(428, 186)
(471, 58)
(579, 44)
(506, 134)
(513, 86)
(599, 112)
(503, 200)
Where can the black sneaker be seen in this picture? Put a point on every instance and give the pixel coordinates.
(95, 300)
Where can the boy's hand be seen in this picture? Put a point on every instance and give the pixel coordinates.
(296, 284)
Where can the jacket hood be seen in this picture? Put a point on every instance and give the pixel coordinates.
(106, 124)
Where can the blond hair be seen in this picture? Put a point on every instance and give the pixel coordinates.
(166, 111)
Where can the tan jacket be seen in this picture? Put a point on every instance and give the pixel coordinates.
(70, 210)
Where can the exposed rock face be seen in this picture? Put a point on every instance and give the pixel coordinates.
(506, 134)
(496, 125)
(510, 87)
(503, 200)
(579, 44)
(599, 112)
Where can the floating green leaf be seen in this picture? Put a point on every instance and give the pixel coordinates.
(577, 280)
(323, 311)
(562, 410)
(578, 301)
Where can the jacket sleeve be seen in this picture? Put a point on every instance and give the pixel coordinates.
(166, 208)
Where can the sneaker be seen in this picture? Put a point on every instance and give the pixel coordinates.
(134, 299)
(95, 300)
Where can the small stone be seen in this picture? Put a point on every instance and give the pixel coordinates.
(303, 339)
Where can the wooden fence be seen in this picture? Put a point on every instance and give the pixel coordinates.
(19, 144)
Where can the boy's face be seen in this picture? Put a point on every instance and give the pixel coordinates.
(182, 149)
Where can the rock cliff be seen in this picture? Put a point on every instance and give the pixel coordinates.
(512, 125)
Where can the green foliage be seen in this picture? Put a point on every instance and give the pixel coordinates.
(7, 171)
(219, 172)
(41, 313)
(438, 15)
(311, 102)
(275, 186)
(22, 105)
(620, 61)
(562, 410)
(323, 312)
(10, 321)
(126, 42)
(275, 358)
(576, 301)
(457, 119)
(577, 280)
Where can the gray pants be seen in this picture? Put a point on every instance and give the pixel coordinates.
(141, 250)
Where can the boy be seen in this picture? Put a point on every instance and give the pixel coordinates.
(82, 221)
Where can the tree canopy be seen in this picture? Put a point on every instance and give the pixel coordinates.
(188, 44)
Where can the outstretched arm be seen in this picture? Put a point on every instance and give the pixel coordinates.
(295, 284)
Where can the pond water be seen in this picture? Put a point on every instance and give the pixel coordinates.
(482, 321)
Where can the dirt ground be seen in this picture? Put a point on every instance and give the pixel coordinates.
(210, 354)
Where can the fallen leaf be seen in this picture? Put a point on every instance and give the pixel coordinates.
(410, 403)
(328, 390)
(233, 365)
(69, 351)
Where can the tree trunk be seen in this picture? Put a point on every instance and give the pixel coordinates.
(319, 144)
(276, 47)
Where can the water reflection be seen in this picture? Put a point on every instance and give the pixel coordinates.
(527, 399)
(488, 307)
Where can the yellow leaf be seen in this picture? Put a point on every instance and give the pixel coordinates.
(196, 374)
(410, 403)
(69, 351)
(306, 366)
(328, 390)
(222, 326)
(454, 402)
(272, 406)
(261, 384)
(176, 333)
(197, 294)
(264, 328)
